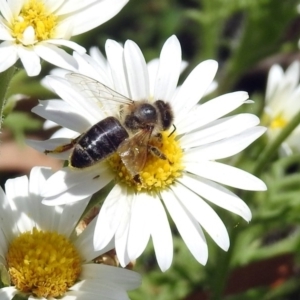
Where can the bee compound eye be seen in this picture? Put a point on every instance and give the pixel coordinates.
(147, 113)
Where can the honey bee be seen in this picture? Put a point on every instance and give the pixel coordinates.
(129, 135)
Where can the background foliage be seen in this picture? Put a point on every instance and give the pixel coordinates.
(246, 37)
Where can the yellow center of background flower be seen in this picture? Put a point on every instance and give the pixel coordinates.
(44, 264)
(157, 173)
(34, 14)
(278, 122)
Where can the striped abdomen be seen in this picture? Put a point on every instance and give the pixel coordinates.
(100, 141)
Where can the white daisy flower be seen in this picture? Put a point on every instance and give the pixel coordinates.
(181, 177)
(33, 29)
(41, 256)
(282, 104)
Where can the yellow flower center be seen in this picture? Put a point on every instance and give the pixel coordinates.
(44, 264)
(34, 14)
(157, 173)
(278, 122)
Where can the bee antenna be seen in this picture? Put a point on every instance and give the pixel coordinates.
(172, 131)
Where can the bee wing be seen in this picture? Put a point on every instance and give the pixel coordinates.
(133, 151)
(105, 97)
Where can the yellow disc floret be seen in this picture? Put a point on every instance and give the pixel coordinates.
(278, 122)
(158, 173)
(34, 14)
(44, 264)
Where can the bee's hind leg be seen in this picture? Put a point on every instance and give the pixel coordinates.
(64, 148)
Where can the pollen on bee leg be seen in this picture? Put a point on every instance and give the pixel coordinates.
(162, 167)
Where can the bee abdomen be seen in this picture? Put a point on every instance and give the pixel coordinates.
(100, 141)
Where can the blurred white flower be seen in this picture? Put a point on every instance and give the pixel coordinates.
(33, 29)
(282, 104)
(133, 212)
(38, 255)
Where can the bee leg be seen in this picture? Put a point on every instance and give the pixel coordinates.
(137, 178)
(159, 136)
(63, 148)
(156, 152)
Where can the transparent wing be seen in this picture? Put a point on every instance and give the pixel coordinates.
(105, 97)
(133, 151)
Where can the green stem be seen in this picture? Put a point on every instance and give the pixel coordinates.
(222, 269)
(5, 78)
(272, 148)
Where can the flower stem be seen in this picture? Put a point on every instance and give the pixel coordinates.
(223, 266)
(271, 148)
(5, 78)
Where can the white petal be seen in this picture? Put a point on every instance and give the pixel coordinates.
(91, 289)
(70, 216)
(114, 206)
(274, 79)
(69, 44)
(194, 88)
(40, 213)
(212, 87)
(121, 237)
(226, 175)
(204, 214)
(5, 33)
(91, 15)
(63, 30)
(8, 293)
(187, 226)
(152, 67)
(103, 273)
(6, 11)
(161, 234)
(30, 61)
(63, 132)
(225, 148)
(84, 242)
(169, 69)
(8, 55)
(68, 178)
(62, 113)
(91, 68)
(55, 56)
(6, 221)
(48, 217)
(292, 74)
(137, 73)
(97, 55)
(80, 191)
(115, 58)
(15, 6)
(4, 242)
(139, 232)
(218, 130)
(209, 111)
(67, 7)
(28, 36)
(17, 192)
(217, 194)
